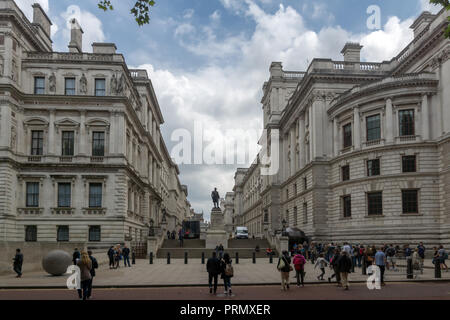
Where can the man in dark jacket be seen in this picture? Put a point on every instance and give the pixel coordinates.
(94, 266)
(213, 268)
(76, 255)
(18, 261)
(126, 255)
(344, 266)
(334, 265)
(111, 257)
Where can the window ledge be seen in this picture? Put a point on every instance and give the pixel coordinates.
(63, 210)
(411, 214)
(375, 216)
(30, 210)
(94, 211)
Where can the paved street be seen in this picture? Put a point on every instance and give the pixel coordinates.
(192, 274)
(402, 291)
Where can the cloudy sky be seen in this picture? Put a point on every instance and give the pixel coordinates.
(208, 59)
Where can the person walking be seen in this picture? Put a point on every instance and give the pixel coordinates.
(76, 255)
(85, 265)
(126, 256)
(213, 269)
(321, 263)
(443, 255)
(17, 263)
(94, 266)
(181, 237)
(111, 257)
(421, 250)
(344, 266)
(284, 267)
(299, 266)
(380, 261)
(227, 272)
(117, 256)
(168, 234)
(334, 265)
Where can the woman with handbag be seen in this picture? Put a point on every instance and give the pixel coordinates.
(227, 272)
(284, 266)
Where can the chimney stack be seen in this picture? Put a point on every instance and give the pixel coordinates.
(41, 19)
(276, 69)
(422, 22)
(76, 37)
(352, 52)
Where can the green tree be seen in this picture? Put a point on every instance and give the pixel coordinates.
(446, 5)
(140, 10)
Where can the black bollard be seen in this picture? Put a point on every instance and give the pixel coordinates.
(237, 257)
(203, 258)
(364, 268)
(271, 258)
(133, 258)
(185, 258)
(254, 257)
(437, 269)
(409, 269)
(168, 257)
(151, 257)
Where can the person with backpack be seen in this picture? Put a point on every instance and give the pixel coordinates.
(213, 269)
(390, 256)
(299, 266)
(284, 267)
(227, 272)
(344, 266)
(94, 266)
(321, 263)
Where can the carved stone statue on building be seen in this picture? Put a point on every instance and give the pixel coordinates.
(121, 85)
(83, 84)
(52, 82)
(14, 72)
(215, 198)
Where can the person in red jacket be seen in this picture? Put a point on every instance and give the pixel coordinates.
(299, 266)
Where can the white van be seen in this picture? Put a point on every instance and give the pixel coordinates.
(241, 233)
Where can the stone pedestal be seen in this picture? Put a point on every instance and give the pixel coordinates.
(216, 233)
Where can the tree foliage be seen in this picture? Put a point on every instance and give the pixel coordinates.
(140, 10)
(446, 5)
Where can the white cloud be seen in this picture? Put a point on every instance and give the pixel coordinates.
(184, 29)
(215, 16)
(188, 14)
(425, 5)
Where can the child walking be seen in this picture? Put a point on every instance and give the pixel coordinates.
(322, 263)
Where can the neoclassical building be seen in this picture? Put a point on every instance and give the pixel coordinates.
(364, 146)
(82, 159)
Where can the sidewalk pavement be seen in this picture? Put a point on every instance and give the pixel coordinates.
(142, 274)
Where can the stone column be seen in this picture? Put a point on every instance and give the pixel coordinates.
(83, 138)
(5, 126)
(112, 132)
(293, 156)
(301, 135)
(311, 135)
(317, 126)
(336, 137)
(357, 128)
(389, 122)
(51, 133)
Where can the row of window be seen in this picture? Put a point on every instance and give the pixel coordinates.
(305, 214)
(64, 195)
(305, 187)
(67, 143)
(373, 127)
(409, 165)
(69, 86)
(62, 234)
(410, 203)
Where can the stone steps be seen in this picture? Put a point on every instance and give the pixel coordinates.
(188, 243)
(248, 243)
(196, 253)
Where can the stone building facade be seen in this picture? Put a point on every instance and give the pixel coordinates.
(364, 147)
(82, 159)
